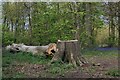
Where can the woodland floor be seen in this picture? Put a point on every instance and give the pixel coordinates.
(25, 65)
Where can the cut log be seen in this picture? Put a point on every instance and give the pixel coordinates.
(12, 49)
(51, 49)
(48, 50)
(69, 51)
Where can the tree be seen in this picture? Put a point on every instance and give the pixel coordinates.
(119, 25)
(111, 24)
(41, 23)
(29, 7)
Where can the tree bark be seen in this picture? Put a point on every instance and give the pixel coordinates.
(88, 23)
(3, 30)
(15, 31)
(77, 22)
(68, 51)
(30, 27)
(111, 24)
(119, 25)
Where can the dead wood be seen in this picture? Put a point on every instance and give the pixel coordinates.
(69, 51)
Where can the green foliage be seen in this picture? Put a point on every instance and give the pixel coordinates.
(8, 38)
(54, 27)
(53, 21)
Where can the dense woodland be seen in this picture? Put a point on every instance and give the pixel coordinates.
(95, 25)
(40, 23)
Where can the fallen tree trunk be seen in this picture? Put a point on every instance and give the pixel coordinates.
(69, 51)
(48, 50)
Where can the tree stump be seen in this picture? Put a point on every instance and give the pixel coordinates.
(69, 51)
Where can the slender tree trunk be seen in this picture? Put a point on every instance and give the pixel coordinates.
(58, 13)
(91, 29)
(30, 27)
(111, 25)
(11, 25)
(16, 31)
(119, 26)
(88, 23)
(76, 19)
(7, 22)
(3, 29)
(84, 10)
(78, 23)
(28, 6)
(16, 23)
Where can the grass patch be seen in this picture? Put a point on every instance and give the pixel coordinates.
(19, 75)
(91, 53)
(10, 58)
(114, 73)
(55, 69)
(59, 69)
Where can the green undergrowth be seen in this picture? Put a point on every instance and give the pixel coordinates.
(57, 69)
(91, 53)
(11, 58)
(114, 72)
(53, 70)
